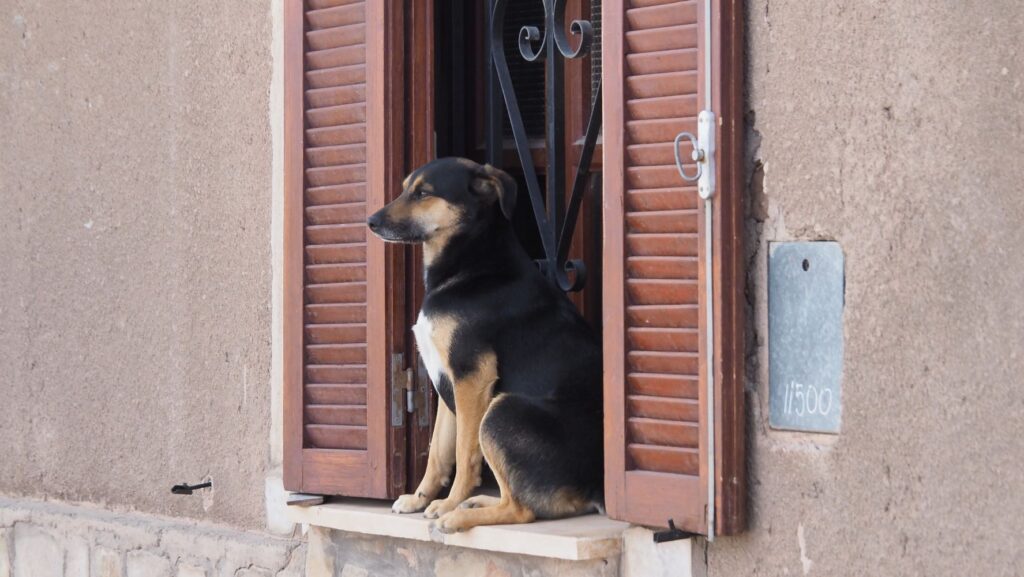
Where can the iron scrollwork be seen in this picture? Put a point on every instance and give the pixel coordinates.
(553, 45)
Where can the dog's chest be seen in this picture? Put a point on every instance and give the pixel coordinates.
(424, 330)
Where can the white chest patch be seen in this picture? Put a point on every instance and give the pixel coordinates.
(424, 331)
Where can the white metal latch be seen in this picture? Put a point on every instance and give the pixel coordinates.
(703, 154)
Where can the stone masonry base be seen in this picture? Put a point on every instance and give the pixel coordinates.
(46, 539)
(43, 539)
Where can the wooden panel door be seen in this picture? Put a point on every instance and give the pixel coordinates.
(339, 281)
(658, 431)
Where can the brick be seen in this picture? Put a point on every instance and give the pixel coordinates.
(642, 557)
(319, 557)
(76, 561)
(36, 554)
(296, 564)
(190, 571)
(106, 563)
(145, 564)
(354, 571)
(5, 553)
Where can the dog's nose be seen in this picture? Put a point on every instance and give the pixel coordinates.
(374, 221)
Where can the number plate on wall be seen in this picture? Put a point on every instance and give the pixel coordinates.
(805, 335)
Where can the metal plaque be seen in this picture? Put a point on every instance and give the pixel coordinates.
(805, 335)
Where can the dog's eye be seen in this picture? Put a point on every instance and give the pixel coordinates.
(418, 193)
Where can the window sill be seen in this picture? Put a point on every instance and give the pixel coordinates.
(577, 539)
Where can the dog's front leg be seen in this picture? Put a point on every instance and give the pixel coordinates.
(440, 461)
(472, 397)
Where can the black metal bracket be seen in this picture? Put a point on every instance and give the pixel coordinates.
(673, 533)
(186, 489)
(553, 45)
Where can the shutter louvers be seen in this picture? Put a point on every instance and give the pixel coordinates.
(335, 359)
(655, 355)
(335, 232)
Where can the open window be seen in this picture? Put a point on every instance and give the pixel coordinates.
(374, 89)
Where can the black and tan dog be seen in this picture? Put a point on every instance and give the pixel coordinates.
(517, 367)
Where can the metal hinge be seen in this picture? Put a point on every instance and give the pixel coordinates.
(402, 390)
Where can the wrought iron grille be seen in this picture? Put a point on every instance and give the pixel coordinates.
(555, 223)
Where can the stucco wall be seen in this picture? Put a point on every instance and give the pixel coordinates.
(135, 321)
(135, 179)
(896, 128)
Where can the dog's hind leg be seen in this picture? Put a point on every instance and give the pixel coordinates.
(524, 442)
(486, 510)
(440, 461)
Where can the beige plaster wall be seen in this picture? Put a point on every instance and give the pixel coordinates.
(135, 284)
(135, 277)
(896, 128)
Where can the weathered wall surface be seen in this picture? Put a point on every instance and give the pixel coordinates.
(896, 128)
(135, 178)
(52, 540)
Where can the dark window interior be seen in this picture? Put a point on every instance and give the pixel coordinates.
(460, 72)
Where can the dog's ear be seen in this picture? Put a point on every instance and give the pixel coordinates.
(497, 183)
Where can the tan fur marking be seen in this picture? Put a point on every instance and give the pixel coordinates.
(565, 502)
(399, 210)
(507, 510)
(439, 219)
(440, 461)
(472, 398)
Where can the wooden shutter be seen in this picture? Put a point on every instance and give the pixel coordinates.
(657, 436)
(337, 303)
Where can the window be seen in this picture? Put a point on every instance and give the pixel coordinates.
(360, 112)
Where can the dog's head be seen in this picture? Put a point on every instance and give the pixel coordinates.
(445, 197)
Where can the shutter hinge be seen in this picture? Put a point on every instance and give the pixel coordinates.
(398, 376)
(402, 390)
(410, 405)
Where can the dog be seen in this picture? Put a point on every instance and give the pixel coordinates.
(517, 367)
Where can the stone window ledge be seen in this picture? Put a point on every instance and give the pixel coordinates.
(577, 538)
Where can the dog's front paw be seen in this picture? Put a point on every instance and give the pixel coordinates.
(452, 522)
(409, 504)
(440, 507)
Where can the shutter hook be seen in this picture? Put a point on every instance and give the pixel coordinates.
(186, 489)
(673, 533)
(697, 155)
